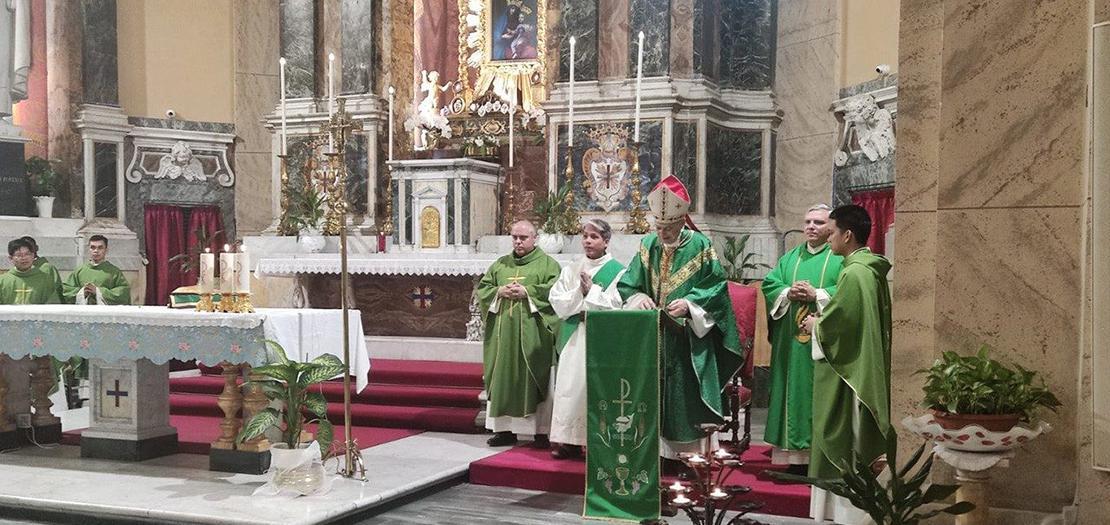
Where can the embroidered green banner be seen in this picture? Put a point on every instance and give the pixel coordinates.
(622, 425)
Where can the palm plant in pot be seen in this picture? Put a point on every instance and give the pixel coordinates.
(296, 462)
(305, 218)
(44, 182)
(553, 219)
(975, 389)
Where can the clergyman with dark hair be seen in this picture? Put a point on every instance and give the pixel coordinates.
(43, 264)
(25, 284)
(97, 281)
(851, 372)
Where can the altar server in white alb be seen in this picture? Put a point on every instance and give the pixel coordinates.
(589, 283)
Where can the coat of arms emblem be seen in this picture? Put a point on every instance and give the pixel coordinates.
(608, 165)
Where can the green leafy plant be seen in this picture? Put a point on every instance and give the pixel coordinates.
(290, 384)
(306, 211)
(42, 176)
(977, 384)
(190, 258)
(896, 501)
(552, 211)
(736, 262)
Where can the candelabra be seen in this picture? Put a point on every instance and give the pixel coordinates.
(571, 220)
(387, 224)
(707, 498)
(286, 196)
(510, 206)
(637, 223)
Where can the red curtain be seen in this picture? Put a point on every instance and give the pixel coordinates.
(880, 206)
(207, 217)
(164, 225)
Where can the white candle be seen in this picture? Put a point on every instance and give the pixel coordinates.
(243, 270)
(570, 105)
(207, 279)
(512, 110)
(639, 79)
(717, 493)
(284, 131)
(677, 486)
(331, 97)
(227, 270)
(681, 500)
(391, 93)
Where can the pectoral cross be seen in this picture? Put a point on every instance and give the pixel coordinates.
(23, 295)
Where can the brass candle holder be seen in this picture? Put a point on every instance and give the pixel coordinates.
(637, 222)
(572, 221)
(387, 223)
(243, 303)
(205, 303)
(286, 195)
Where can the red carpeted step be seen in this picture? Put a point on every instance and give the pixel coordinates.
(439, 373)
(198, 385)
(195, 405)
(415, 395)
(527, 468)
(196, 433)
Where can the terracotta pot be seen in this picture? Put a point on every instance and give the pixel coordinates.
(992, 422)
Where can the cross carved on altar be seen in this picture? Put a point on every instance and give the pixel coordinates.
(116, 393)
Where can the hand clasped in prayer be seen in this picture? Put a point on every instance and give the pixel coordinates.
(512, 291)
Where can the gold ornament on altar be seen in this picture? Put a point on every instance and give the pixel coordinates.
(429, 227)
(607, 166)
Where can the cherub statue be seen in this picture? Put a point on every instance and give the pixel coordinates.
(428, 116)
(873, 127)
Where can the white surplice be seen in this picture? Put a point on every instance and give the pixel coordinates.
(568, 417)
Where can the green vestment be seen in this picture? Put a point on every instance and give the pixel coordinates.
(693, 370)
(30, 287)
(48, 268)
(790, 413)
(519, 343)
(113, 286)
(851, 384)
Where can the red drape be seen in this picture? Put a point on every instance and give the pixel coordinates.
(209, 218)
(164, 226)
(880, 206)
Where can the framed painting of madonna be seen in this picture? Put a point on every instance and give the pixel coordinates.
(501, 51)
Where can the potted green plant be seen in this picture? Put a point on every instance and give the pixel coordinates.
(288, 384)
(975, 389)
(44, 182)
(552, 214)
(895, 501)
(305, 218)
(736, 262)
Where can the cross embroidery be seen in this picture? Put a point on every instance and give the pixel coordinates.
(422, 297)
(23, 295)
(117, 393)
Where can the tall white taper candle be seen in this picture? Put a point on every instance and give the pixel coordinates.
(284, 130)
(391, 93)
(639, 79)
(570, 105)
(512, 110)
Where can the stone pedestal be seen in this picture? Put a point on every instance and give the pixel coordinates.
(129, 419)
(15, 193)
(973, 472)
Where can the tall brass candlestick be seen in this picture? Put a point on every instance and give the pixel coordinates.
(637, 223)
(571, 218)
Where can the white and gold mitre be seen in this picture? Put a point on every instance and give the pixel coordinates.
(669, 201)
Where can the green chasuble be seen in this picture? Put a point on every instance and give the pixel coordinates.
(519, 344)
(113, 286)
(851, 384)
(790, 413)
(30, 287)
(48, 268)
(693, 370)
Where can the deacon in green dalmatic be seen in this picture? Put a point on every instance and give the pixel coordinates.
(97, 281)
(803, 282)
(851, 375)
(25, 284)
(518, 349)
(677, 271)
(43, 264)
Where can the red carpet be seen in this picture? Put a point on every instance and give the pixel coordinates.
(196, 433)
(425, 395)
(528, 468)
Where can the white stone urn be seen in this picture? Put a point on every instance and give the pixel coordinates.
(311, 241)
(551, 242)
(45, 205)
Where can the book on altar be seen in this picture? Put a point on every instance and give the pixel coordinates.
(188, 297)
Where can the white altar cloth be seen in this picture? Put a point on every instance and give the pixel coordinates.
(385, 263)
(159, 333)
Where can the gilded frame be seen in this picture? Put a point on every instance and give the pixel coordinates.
(481, 73)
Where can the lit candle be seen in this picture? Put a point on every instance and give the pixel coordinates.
(391, 92)
(284, 132)
(227, 270)
(331, 97)
(681, 500)
(722, 454)
(639, 79)
(570, 105)
(717, 493)
(243, 270)
(677, 487)
(512, 110)
(696, 460)
(207, 280)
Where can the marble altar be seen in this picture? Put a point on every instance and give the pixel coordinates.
(443, 205)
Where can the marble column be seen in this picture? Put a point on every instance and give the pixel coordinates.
(578, 18)
(298, 46)
(682, 38)
(357, 46)
(100, 70)
(64, 37)
(613, 41)
(257, 26)
(644, 15)
(328, 38)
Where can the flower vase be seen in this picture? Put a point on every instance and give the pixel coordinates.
(311, 241)
(45, 206)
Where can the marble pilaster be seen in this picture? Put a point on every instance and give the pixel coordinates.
(256, 93)
(358, 39)
(682, 38)
(614, 41)
(104, 160)
(644, 15)
(684, 160)
(732, 158)
(578, 18)
(747, 38)
(100, 69)
(328, 38)
(298, 46)
(64, 88)
(705, 60)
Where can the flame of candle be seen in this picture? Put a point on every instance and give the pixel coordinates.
(677, 487)
(718, 493)
(227, 248)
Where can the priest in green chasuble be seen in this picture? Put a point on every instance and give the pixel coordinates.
(25, 284)
(518, 349)
(43, 264)
(677, 271)
(851, 375)
(802, 282)
(589, 283)
(97, 281)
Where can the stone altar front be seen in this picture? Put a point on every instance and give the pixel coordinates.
(444, 205)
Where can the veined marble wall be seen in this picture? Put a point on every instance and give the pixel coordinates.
(298, 46)
(257, 91)
(358, 35)
(644, 15)
(990, 215)
(578, 18)
(733, 161)
(747, 40)
(99, 66)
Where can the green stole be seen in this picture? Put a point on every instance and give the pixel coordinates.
(603, 278)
